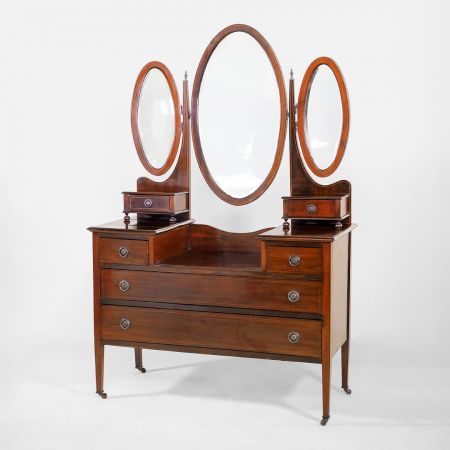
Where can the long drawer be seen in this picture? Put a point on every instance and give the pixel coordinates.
(213, 290)
(299, 337)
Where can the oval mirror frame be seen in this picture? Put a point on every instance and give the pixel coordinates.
(155, 65)
(238, 201)
(307, 82)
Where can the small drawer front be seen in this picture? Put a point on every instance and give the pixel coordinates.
(123, 251)
(212, 290)
(302, 260)
(333, 208)
(274, 335)
(150, 203)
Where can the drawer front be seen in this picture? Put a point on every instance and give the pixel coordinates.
(301, 260)
(123, 251)
(150, 203)
(315, 209)
(275, 335)
(213, 290)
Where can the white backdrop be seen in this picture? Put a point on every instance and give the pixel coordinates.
(67, 73)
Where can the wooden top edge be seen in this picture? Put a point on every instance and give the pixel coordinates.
(133, 227)
(316, 233)
(314, 197)
(155, 193)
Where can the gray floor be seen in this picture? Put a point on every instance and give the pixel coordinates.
(400, 400)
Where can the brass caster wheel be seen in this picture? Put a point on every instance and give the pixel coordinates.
(102, 394)
(324, 420)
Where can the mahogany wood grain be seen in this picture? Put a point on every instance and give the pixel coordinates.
(213, 351)
(179, 180)
(137, 251)
(326, 351)
(213, 290)
(335, 207)
(310, 259)
(206, 238)
(301, 182)
(170, 243)
(99, 347)
(303, 97)
(155, 65)
(199, 152)
(216, 330)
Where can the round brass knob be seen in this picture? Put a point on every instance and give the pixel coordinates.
(294, 260)
(294, 337)
(293, 296)
(124, 324)
(123, 252)
(124, 285)
(148, 203)
(311, 208)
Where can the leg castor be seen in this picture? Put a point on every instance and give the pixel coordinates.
(138, 360)
(347, 390)
(102, 394)
(324, 420)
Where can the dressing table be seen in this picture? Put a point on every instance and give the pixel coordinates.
(164, 282)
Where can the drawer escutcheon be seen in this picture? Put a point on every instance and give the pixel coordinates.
(124, 324)
(294, 260)
(294, 337)
(293, 296)
(124, 285)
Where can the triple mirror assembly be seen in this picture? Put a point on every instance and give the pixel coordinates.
(239, 123)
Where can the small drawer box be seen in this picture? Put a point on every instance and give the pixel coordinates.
(155, 203)
(316, 208)
(301, 260)
(123, 251)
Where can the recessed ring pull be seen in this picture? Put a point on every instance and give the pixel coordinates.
(293, 296)
(124, 285)
(124, 324)
(148, 203)
(294, 337)
(123, 252)
(311, 208)
(294, 260)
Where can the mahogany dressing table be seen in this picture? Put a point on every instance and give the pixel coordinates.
(163, 282)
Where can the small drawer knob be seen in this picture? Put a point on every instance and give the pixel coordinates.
(294, 337)
(124, 285)
(124, 324)
(311, 208)
(148, 203)
(293, 296)
(294, 260)
(123, 252)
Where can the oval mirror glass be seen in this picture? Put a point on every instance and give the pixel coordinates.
(323, 117)
(155, 118)
(239, 115)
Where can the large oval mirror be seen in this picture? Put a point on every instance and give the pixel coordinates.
(323, 122)
(155, 118)
(239, 114)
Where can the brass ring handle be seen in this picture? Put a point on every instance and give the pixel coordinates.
(293, 296)
(294, 337)
(124, 324)
(124, 285)
(294, 260)
(148, 203)
(123, 252)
